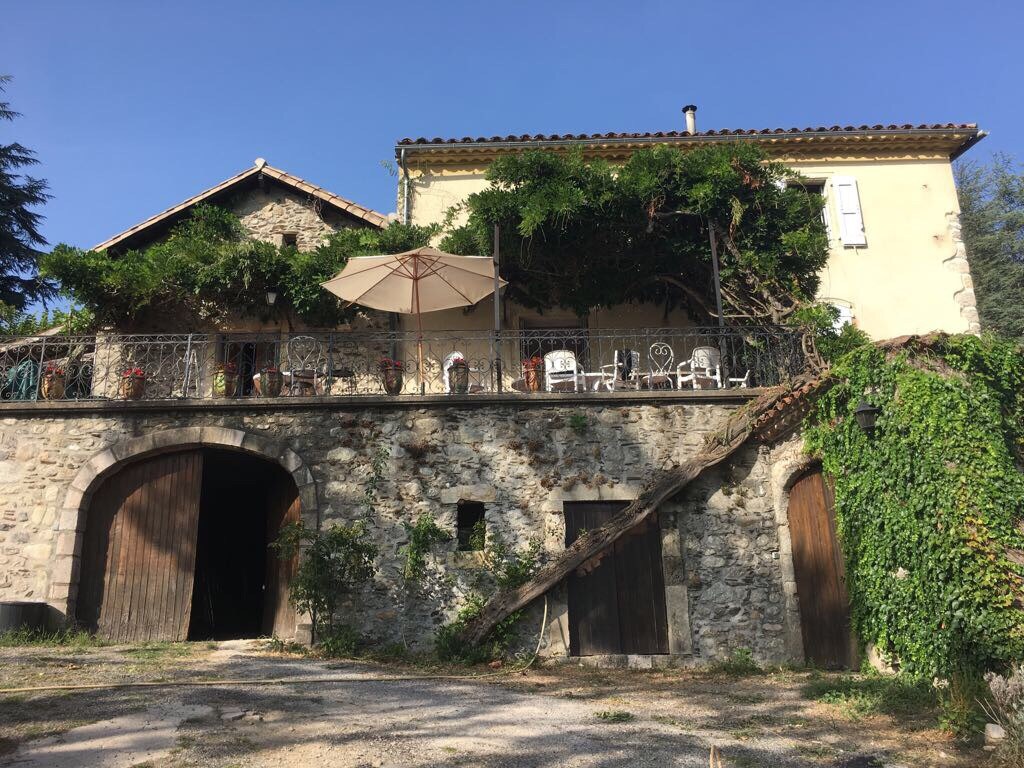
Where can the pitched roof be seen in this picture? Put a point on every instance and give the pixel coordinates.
(259, 170)
(954, 137)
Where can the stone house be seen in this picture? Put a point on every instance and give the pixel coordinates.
(149, 517)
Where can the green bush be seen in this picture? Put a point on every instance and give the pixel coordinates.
(335, 561)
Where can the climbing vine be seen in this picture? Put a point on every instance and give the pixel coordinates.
(423, 535)
(929, 508)
(209, 267)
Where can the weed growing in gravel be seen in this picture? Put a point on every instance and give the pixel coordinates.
(614, 715)
(739, 664)
(859, 696)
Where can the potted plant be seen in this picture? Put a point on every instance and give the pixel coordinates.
(54, 382)
(225, 380)
(458, 376)
(391, 375)
(533, 373)
(133, 383)
(271, 381)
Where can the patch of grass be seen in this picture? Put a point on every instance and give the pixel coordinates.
(665, 720)
(857, 696)
(614, 715)
(70, 638)
(739, 664)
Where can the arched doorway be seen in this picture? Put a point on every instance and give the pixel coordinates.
(820, 573)
(176, 547)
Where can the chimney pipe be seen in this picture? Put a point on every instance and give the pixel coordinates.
(690, 110)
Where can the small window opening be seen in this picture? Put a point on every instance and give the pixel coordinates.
(290, 239)
(472, 530)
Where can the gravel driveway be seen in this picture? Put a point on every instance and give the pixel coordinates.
(564, 717)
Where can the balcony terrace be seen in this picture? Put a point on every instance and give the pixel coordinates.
(571, 363)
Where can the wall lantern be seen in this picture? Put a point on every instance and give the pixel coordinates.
(271, 297)
(866, 415)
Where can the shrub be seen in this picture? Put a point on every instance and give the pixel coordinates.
(334, 561)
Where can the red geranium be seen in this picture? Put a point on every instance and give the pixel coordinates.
(387, 363)
(133, 373)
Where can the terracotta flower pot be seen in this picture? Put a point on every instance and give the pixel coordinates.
(391, 378)
(271, 383)
(534, 378)
(53, 387)
(458, 378)
(133, 387)
(225, 384)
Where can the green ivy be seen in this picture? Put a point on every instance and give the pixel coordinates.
(929, 508)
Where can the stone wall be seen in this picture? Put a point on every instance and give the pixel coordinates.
(726, 573)
(268, 213)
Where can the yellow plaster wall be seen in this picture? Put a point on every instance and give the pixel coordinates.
(907, 278)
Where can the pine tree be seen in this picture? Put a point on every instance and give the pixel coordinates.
(992, 218)
(20, 238)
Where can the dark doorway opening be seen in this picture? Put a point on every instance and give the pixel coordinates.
(238, 520)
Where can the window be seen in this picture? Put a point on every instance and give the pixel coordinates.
(470, 526)
(290, 239)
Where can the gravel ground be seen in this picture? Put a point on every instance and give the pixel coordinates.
(565, 716)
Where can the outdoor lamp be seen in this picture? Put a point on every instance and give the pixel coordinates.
(866, 415)
(271, 297)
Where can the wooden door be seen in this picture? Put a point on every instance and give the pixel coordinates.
(619, 606)
(278, 612)
(138, 558)
(820, 574)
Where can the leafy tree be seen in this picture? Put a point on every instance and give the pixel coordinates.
(992, 218)
(582, 234)
(20, 238)
(208, 266)
(74, 321)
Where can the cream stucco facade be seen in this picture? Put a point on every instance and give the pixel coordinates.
(910, 275)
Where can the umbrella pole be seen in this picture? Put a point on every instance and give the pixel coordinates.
(419, 325)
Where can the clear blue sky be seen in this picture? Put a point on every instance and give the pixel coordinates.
(133, 106)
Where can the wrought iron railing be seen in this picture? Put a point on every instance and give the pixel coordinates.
(208, 365)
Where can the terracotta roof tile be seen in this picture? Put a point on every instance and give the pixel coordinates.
(683, 134)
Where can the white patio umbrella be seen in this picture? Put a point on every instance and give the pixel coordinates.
(414, 282)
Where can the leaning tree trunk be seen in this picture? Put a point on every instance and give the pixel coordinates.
(587, 550)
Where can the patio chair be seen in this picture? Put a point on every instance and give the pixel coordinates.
(660, 358)
(306, 360)
(624, 373)
(704, 365)
(560, 367)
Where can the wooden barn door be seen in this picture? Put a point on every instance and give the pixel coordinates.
(619, 606)
(278, 612)
(138, 558)
(820, 574)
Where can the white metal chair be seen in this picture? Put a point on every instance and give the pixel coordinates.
(560, 367)
(705, 364)
(624, 373)
(660, 358)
